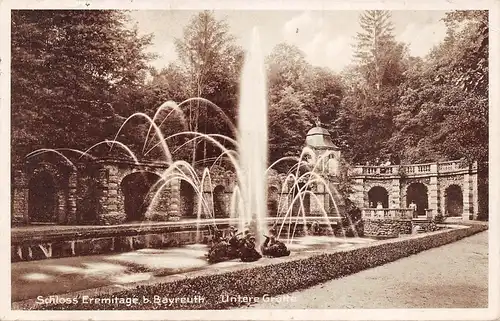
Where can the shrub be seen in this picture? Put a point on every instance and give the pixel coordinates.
(438, 219)
(351, 223)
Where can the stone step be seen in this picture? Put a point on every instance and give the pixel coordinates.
(421, 220)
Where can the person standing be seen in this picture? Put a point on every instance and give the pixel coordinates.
(413, 206)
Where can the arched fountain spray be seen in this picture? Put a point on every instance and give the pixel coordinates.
(248, 158)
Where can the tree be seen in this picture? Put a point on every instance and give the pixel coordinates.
(372, 85)
(289, 102)
(68, 68)
(298, 94)
(211, 62)
(373, 45)
(325, 92)
(443, 109)
(470, 64)
(288, 125)
(287, 68)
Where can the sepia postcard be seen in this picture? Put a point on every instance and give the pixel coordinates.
(239, 160)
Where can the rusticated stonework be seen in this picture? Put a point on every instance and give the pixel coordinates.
(436, 178)
(96, 192)
(446, 181)
(387, 227)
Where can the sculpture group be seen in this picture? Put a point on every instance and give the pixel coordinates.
(242, 245)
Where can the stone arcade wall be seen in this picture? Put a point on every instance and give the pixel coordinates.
(112, 198)
(436, 177)
(92, 193)
(64, 179)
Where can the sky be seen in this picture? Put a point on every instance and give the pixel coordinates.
(326, 37)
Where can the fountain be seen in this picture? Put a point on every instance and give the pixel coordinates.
(114, 260)
(253, 139)
(147, 250)
(248, 159)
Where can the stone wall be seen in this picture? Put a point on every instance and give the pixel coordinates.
(19, 198)
(427, 226)
(386, 227)
(87, 199)
(110, 241)
(107, 200)
(63, 181)
(92, 193)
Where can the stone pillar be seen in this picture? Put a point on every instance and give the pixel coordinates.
(71, 210)
(283, 202)
(227, 203)
(366, 201)
(103, 195)
(475, 195)
(62, 204)
(174, 213)
(359, 194)
(158, 207)
(316, 200)
(336, 206)
(433, 194)
(207, 208)
(442, 199)
(467, 197)
(113, 185)
(20, 198)
(316, 204)
(113, 208)
(329, 204)
(395, 194)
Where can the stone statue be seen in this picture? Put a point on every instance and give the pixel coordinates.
(247, 252)
(274, 248)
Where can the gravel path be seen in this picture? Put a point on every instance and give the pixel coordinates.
(451, 276)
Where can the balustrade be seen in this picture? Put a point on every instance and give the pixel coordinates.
(380, 213)
(378, 170)
(413, 169)
(424, 168)
(449, 166)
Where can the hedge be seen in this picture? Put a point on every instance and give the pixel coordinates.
(274, 278)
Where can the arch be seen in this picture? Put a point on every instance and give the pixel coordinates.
(306, 200)
(138, 190)
(219, 201)
(417, 192)
(187, 199)
(42, 198)
(378, 194)
(454, 200)
(272, 201)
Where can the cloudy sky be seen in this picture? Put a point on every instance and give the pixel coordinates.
(325, 36)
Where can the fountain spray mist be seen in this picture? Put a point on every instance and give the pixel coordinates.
(253, 138)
